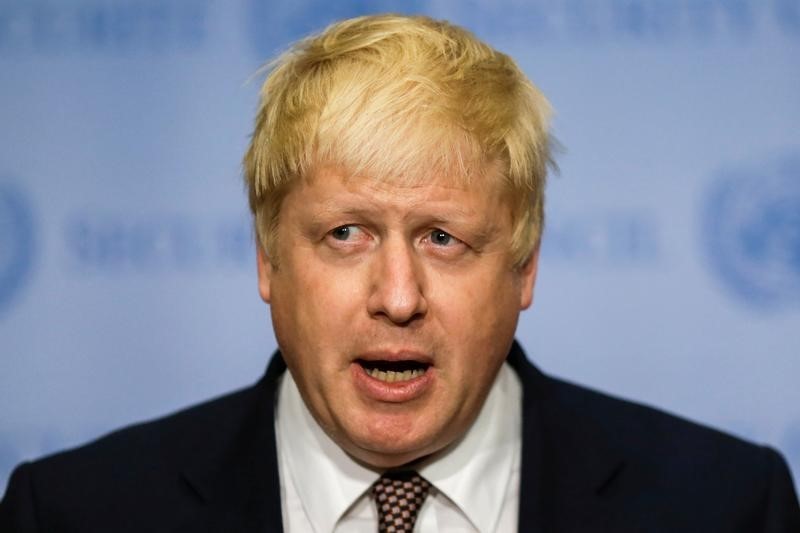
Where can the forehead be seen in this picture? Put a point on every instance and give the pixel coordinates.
(486, 178)
(332, 184)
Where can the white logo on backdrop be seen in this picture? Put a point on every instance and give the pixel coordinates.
(752, 232)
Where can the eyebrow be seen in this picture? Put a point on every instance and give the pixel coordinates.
(334, 208)
(367, 207)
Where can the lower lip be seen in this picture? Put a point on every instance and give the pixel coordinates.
(392, 392)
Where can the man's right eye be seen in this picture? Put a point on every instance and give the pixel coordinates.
(344, 233)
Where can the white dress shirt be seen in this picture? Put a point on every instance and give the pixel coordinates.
(475, 480)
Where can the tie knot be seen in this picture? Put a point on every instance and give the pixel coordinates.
(399, 496)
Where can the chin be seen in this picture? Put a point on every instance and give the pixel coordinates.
(389, 450)
(388, 458)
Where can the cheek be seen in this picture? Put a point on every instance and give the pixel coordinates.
(331, 295)
(478, 304)
(314, 308)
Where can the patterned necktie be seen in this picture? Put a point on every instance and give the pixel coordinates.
(399, 496)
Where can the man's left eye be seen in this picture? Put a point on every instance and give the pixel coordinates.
(442, 238)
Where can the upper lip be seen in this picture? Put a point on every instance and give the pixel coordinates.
(396, 355)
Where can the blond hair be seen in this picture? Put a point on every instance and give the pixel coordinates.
(399, 98)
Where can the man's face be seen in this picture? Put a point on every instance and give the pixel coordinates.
(394, 307)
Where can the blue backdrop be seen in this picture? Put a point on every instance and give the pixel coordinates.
(671, 259)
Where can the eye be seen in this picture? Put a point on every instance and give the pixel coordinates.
(345, 233)
(442, 238)
(348, 237)
(444, 245)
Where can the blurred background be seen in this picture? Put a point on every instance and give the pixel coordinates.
(671, 260)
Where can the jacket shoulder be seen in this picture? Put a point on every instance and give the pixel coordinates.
(687, 475)
(163, 440)
(634, 426)
(100, 484)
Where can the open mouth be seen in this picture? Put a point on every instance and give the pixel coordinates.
(393, 371)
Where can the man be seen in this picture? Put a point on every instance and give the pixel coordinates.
(396, 176)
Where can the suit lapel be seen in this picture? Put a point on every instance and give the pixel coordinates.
(238, 486)
(567, 461)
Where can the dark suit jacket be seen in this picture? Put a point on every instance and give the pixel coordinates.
(590, 463)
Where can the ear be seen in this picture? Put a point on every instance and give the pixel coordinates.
(527, 273)
(264, 272)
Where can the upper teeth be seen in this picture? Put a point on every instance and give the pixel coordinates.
(391, 376)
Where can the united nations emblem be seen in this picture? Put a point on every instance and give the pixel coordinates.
(16, 243)
(752, 231)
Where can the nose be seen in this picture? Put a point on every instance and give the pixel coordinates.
(397, 291)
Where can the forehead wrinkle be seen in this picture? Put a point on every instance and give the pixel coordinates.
(410, 206)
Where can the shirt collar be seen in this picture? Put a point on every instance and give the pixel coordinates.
(473, 472)
(327, 480)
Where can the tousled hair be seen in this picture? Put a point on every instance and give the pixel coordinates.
(406, 99)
